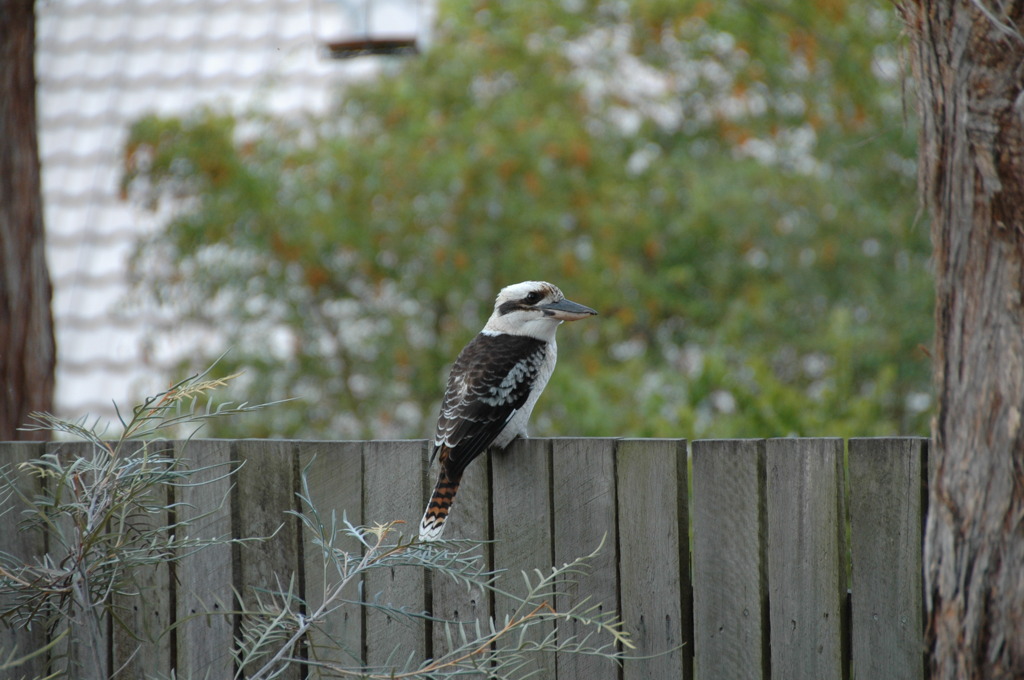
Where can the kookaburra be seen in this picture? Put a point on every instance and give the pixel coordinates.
(494, 385)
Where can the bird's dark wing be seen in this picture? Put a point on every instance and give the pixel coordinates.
(490, 381)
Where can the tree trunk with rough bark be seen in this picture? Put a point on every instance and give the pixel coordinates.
(968, 61)
(27, 352)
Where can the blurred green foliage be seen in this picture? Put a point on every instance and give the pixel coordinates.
(731, 184)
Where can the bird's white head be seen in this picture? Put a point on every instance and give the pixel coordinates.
(533, 308)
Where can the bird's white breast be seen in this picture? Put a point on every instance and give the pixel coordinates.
(516, 426)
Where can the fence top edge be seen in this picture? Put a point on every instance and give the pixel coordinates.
(728, 439)
(897, 438)
(653, 439)
(25, 444)
(903, 438)
(310, 440)
(574, 438)
(805, 439)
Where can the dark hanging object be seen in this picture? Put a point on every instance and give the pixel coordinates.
(376, 45)
(371, 42)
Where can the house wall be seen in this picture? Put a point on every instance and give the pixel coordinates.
(101, 64)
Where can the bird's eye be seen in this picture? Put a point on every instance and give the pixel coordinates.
(533, 298)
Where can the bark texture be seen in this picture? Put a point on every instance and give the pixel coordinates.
(27, 351)
(968, 61)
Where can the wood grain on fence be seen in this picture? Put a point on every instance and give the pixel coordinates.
(806, 566)
(204, 594)
(521, 512)
(455, 605)
(653, 528)
(146, 605)
(887, 505)
(266, 564)
(730, 567)
(394, 488)
(767, 597)
(583, 483)
(24, 547)
(334, 476)
(85, 649)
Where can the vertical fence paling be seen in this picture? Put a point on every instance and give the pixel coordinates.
(146, 607)
(86, 647)
(28, 547)
(769, 553)
(583, 479)
(653, 523)
(888, 499)
(266, 558)
(450, 600)
(806, 569)
(334, 475)
(730, 569)
(204, 595)
(394, 488)
(521, 511)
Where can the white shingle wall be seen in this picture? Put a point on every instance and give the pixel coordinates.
(100, 65)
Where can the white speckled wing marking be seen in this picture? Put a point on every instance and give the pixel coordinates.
(490, 381)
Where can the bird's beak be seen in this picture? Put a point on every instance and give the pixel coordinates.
(567, 310)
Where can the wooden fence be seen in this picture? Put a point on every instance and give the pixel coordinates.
(785, 558)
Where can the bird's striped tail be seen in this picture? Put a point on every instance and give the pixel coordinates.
(432, 525)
